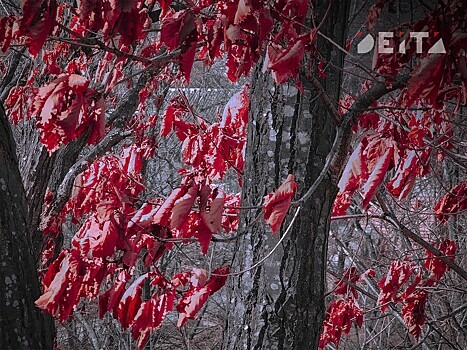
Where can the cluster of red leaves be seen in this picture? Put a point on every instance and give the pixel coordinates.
(108, 243)
(407, 144)
(32, 28)
(243, 28)
(340, 315)
(66, 108)
(72, 277)
(115, 233)
(414, 297)
(345, 310)
(405, 147)
(404, 283)
(213, 148)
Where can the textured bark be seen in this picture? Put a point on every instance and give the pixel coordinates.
(22, 325)
(280, 304)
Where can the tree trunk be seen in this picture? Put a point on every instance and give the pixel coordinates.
(22, 325)
(280, 304)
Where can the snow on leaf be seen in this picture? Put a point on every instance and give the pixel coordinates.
(342, 285)
(152, 312)
(413, 312)
(95, 273)
(243, 10)
(376, 177)
(404, 178)
(97, 121)
(164, 213)
(338, 321)
(130, 302)
(353, 171)
(277, 204)
(231, 211)
(150, 317)
(182, 207)
(62, 290)
(96, 238)
(236, 110)
(54, 283)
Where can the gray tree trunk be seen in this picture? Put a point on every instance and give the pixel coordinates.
(22, 325)
(280, 304)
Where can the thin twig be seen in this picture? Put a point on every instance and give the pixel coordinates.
(289, 228)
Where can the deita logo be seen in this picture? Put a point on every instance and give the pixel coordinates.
(384, 44)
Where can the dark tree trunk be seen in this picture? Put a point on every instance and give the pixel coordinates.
(22, 325)
(280, 304)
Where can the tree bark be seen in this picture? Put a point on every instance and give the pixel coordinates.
(280, 304)
(22, 325)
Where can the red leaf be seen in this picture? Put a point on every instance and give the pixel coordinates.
(287, 62)
(204, 234)
(187, 57)
(338, 321)
(342, 285)
(425, 80)
(37, 23)
(171, 119)
(176, 27)
(198, 294)
(152, 312)
(109, 299)
(277, 204)
(413, 312)
(62, 290)
(397, 275)
(98, 239)
(403, 180)
(452, 203)
(97, 121)
(6, 33)
(95, 272)
(164, 213)
(354, 170)
(435, 265)
(212, 216)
